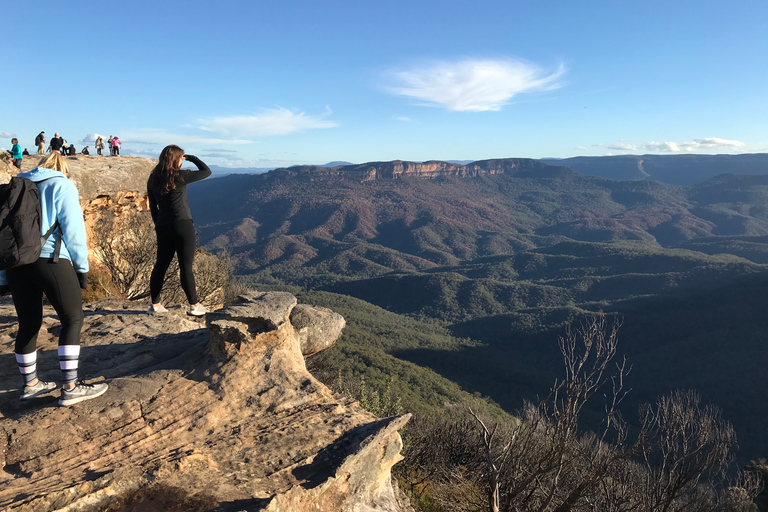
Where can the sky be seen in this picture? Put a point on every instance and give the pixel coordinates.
(262, 84)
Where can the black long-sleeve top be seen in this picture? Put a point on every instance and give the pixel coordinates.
(166, 209)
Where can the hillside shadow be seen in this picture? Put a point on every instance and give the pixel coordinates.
(711, 341)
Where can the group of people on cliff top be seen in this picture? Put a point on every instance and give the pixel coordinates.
(60, 271)
(60, 145)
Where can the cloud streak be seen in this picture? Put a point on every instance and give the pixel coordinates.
(471, 85)
(678, 147)
(277, 121)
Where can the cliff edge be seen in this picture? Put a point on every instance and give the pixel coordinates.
(218, 416)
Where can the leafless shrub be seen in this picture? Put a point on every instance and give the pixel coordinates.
(127, 250)
(677, 461)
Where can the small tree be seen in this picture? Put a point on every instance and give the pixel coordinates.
(128, 249)
(677, 461)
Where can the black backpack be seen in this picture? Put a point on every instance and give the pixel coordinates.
(20, 240)
(38, 140)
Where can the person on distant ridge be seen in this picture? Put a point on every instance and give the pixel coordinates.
(40, 143)
(167, 194)
(111, 147)
(116, 145)
(85, 151)
(25, 152)
(56, 143)
(16, 152)
(99, 144)
(59, 273)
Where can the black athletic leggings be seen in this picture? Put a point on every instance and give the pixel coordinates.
(59, 283)
(178, 238)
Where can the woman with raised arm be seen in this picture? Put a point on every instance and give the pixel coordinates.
(167, 193)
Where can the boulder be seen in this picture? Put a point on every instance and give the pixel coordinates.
(318, 327)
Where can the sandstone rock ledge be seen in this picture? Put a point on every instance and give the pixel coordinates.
(221, 417)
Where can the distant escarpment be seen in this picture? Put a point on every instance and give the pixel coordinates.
(199, 417)
(431, 169)
(672, 169)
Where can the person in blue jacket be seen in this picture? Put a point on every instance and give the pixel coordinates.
(16, 152)
(59, 280)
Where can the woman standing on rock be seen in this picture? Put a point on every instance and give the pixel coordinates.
(99, 144)
(167, 193)
(16, 152)
(59, 273)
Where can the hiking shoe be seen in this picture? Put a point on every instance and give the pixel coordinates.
(40, 388)
(198, 310)
(156, 309)
(81, 392)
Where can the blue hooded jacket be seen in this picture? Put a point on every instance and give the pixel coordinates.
(60, 200)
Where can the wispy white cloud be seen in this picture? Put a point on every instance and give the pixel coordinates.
(163, 138)
(277, 121)
(712, 143)
(664, 147)
(619, 146)
(677, 147)
(473, 85)
(7, 135)
(404, 119)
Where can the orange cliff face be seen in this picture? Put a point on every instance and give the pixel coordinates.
(116, 187)
(434, 168)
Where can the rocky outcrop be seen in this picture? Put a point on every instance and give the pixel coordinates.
(316, 326)
(221, 416)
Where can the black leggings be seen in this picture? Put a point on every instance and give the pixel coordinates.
(178, 238)
(59, 283)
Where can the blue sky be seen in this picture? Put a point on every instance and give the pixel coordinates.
(269, 84)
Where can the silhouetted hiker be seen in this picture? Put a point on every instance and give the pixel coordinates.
(59, 273)
(56, 143)
(16, 152)
(25, 152)
(40, 143)
(71, 151)
(167, 193)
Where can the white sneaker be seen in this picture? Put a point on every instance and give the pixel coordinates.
(82, 392)
(42, 387)
(198, 310)
(156, 309)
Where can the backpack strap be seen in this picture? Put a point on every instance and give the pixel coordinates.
(48, 233)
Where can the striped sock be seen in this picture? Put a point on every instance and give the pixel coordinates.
(27, 366)
(68, 359)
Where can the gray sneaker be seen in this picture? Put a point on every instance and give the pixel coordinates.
(82, 392)
(156, 309)
(198, 310)
(42, 387)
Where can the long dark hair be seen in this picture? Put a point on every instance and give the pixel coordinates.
(167, 169)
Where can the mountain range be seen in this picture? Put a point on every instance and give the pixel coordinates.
(500, 256)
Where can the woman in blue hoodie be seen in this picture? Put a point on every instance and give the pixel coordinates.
(59, 279)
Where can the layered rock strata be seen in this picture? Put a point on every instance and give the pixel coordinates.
(221, 416)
